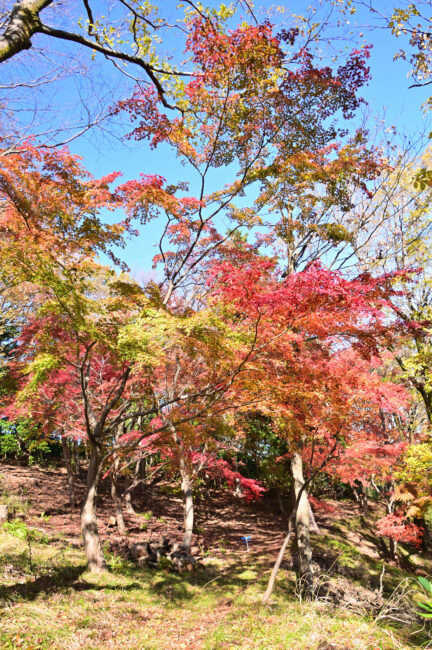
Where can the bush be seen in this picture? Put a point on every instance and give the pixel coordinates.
(22, 441)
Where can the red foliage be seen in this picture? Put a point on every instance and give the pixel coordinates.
(315, 366)
(218, 468)
(398, 528)
(321, 506)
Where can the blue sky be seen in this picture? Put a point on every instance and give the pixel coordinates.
(388, 95)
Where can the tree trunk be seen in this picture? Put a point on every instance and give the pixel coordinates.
(280, 502)
(393, 549)
(117, 498)
(361, 498)
(313, 526)
(188, 510)
(305, 571)
(238, 491)
(70, 478)
(390, 510)
(277, 564)
(77, 460)
(117, 507)
(89, 527)
(128, 496)
(128, 504)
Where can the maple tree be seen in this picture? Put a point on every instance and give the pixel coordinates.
(95, 354)
(312, 366)
(258, 104)
(399, 529)
(192, 450)
(51, 233)
(175, 367)
(90, 346)
(244, 109)
(93, 375)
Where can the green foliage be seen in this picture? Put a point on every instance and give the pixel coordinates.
(40, 367)
(425, 606)
(336, 232)
(147, 515)
(259, 452)
(116, 563)
(19, 529)
(414, 475)
(423, 179)
(22, 441)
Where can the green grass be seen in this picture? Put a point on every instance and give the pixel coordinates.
(362, 568)
(60, 605)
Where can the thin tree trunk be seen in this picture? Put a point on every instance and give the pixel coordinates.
(117, 498)
(364, 500)
(277, 564)
(393, 548)
(128, 496)
(393, 545)
(89, 527)
(312, 521)
(305, 571)
(77, 459)
(69, 473)
(128, 504)
(117, 507)
(280, 502)
(298, 496)
(188, 510)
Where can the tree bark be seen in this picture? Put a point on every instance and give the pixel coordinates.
(188, 510)
(305, 571)
(300, 491)
(77, 460)
(70, 478)
(24, 22)
(117, 506)
(280, 502)
(128, 504)
(128, 496)
(313, 526)
(390, 506)
(277, 564)
(393, 549)
(89, 527)
(115, 495)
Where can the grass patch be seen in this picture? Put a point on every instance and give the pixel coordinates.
(61, 605)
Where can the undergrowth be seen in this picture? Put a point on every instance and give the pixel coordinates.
(60, 605)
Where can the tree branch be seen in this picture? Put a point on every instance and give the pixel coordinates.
(24, 22)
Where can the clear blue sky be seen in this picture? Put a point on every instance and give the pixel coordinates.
(388, 92)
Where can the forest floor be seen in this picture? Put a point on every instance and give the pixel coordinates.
(48, 600)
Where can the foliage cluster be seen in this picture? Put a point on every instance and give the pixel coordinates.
(285, 334)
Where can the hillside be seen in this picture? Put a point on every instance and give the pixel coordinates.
(48, 600)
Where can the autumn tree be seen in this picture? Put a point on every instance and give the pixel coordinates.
(51, 233)
(100, 350)
(311, 371)
(273, 126)
(113, 43)
(259, 105)
(402, 240)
